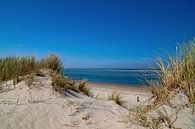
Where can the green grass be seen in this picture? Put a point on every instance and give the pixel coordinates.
(11, 68)
(52, 62)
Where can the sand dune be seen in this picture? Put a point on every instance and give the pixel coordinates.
(40, 107)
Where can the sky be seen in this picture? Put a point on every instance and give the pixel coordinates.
(95, 33)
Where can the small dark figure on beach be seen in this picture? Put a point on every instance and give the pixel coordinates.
(137, 98)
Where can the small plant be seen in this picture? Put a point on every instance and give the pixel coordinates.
(83, 88)
(29, 80)
(116, 97)
(139, 115)
(61, 83)
(1, 89)
(52, 62)
(96, 97)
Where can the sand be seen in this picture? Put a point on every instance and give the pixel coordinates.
(40, 107)
(129, 93)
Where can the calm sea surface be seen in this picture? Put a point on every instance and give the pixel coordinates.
(113, 76)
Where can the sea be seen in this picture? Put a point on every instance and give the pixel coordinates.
(139, 77)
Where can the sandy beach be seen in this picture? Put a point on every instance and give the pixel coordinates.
(128, 93)
(37, 107)
(121, 87)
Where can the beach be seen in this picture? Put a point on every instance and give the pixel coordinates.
(128, 93)
(120, 87)
(39, 106)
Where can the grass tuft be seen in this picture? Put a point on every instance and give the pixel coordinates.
(176, 73)
(61, 83)
(116, 97)
(83, 88)
(11, 68)
(52, 62)
(29, 80)
(139, 116)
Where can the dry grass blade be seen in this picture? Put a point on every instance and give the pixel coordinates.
(83, 88)
(61, 83)
(116, 97)
(176, 73)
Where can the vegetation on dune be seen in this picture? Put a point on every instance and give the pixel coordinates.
(176, 74)
(116, 97)
(83, 88)
(61, 83)
(52, 62)
(159, 121)
(11, 68)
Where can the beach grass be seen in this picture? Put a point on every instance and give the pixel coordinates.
(117, 98)
(139, 116)
(11, 68)
(61, 83)
(177, 73)
(83, 88)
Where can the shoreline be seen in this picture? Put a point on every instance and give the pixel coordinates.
(120, 87)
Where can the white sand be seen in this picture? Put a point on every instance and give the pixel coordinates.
(128, 94)
(42, 108)
(39, 107)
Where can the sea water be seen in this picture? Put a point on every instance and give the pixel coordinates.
(113, 76)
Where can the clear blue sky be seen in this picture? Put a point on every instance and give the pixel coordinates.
(95, 33)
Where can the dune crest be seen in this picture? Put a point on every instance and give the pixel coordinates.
(40, 107)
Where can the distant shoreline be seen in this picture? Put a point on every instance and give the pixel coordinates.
(112, 69)
(122, 87)
(122, 77)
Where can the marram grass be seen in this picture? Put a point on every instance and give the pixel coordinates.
(176, 73)
(11, 68)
